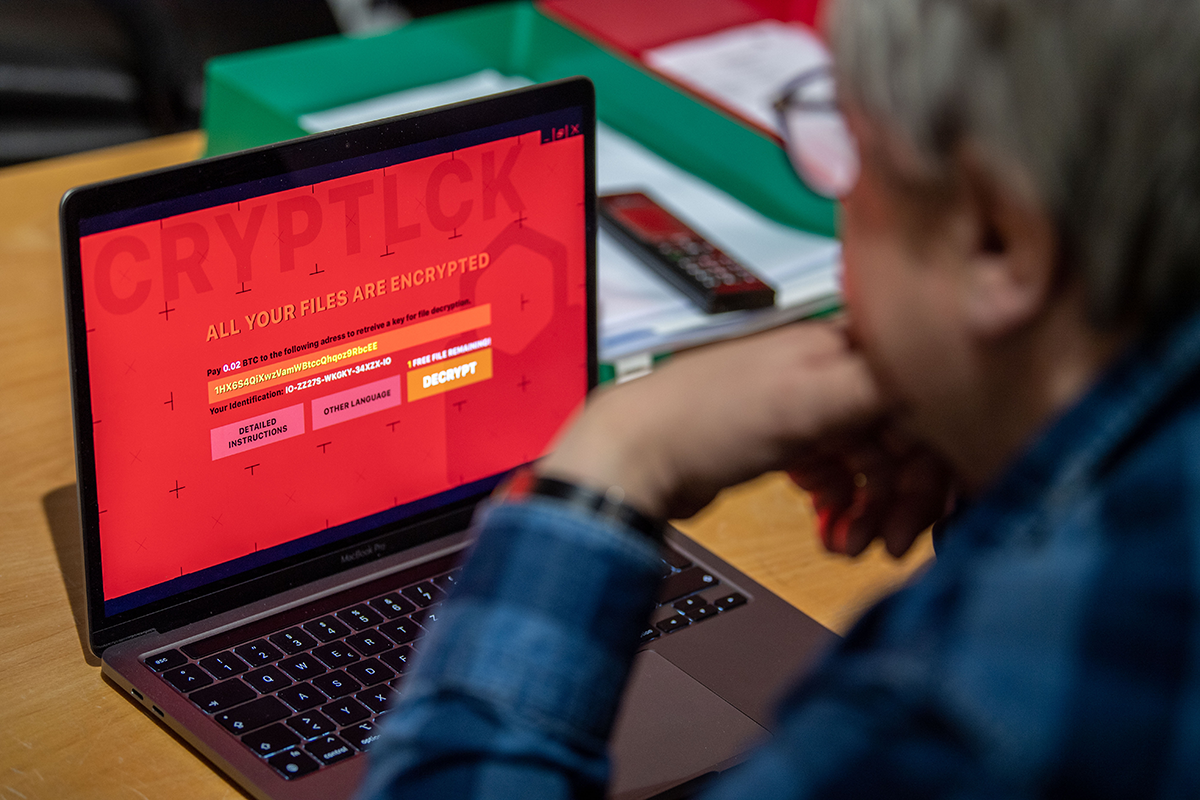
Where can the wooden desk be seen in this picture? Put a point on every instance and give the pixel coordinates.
(65, 733)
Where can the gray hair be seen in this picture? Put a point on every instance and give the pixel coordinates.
(1097, 101)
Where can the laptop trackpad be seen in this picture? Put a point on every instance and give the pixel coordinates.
(670, 728)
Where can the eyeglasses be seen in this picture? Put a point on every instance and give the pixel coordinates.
(819, 143)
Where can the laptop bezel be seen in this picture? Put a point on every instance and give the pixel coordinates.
(264, 162)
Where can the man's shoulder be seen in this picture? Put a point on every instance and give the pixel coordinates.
(1149, 485)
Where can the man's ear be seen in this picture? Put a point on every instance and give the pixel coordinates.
(1012, 256)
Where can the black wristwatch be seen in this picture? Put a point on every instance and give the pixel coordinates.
(525, 482)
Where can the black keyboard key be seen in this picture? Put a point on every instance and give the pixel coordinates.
(697, 613)
(673, 623)
(448, 581)
(336, 655)
(292, 641)
(676, 559)
(688, 603)
(171, 659)
(271, 739)
(392, 605)
(258, 653)
(730, 601)
(329, 749)
(360, 617)
(361, 735)
(427, 616)
(224, 665)
(398, 659)
(327, 629)
(336, 684)
(375, 699)
(648, 635)
(222, 696)
(311, 724)
(369, 643)
(301, 697)
(370, 672)
(187, 678)
(253, 715)
(401, 631)
(303, 667)
(346, 711)
(692, 579)
(293, 763)
(267, 679)
(423, 594)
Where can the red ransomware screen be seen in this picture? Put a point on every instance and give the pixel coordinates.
(265, 370)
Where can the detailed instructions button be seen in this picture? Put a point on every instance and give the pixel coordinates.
(356, 402)
(274, 426)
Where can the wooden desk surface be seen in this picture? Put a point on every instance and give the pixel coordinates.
(64, 732)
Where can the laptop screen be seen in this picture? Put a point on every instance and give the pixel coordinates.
(281, 363)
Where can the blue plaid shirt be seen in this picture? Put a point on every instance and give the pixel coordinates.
(1053, 650)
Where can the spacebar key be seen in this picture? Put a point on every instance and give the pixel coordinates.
(683, 583)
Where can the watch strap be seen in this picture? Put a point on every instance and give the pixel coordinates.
(611, 504)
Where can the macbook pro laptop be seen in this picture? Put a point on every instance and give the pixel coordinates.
(296, 371)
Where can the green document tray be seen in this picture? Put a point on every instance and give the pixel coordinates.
(256, 98)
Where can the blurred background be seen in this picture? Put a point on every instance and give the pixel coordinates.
(81, 74)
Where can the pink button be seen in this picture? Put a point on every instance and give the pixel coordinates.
(356, 402)
(274, 426)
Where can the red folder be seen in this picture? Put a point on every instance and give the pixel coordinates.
(635, 26)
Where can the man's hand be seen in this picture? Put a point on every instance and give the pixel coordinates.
(797, 398)
(877, 485)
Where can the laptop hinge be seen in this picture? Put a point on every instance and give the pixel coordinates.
(127, 638)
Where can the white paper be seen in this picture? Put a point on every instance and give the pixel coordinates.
(743, 68)
(639, 312)
(480, 84)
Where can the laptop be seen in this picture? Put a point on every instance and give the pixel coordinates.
(296, 371)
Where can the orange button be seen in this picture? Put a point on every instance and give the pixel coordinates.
(450, 374)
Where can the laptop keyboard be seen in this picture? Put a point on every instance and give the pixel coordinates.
(305, 688)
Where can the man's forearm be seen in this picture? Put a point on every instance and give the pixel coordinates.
(518, 683)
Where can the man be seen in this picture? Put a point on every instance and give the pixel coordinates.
(1022, 256)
